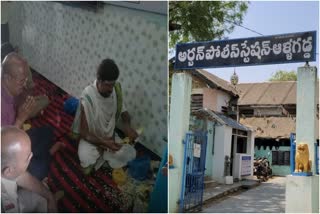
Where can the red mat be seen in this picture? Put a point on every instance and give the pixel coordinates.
(94, 193)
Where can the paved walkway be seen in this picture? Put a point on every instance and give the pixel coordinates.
(267, 197)
(223, 189)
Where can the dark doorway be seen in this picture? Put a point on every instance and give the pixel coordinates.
(241, 145)
(231, 156)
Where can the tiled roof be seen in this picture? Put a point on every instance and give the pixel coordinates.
(220, 118)
(268, 93)
(216, 82)
(271, 127)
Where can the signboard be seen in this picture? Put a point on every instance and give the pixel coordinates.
(196, 150)
(245, 165)
(275, 49)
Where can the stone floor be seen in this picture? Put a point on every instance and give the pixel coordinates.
(220, 190)
(268, 197)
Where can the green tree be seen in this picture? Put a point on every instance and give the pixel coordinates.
(284, 76)
(203, 20)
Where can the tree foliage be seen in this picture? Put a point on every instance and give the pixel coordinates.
(284, 76)
(203, 20)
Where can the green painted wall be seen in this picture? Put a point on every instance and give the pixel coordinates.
(279, 170)
(209, 155)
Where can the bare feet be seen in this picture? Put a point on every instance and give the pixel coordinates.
(56, 147)
(45, 182)
(88, 170)
(58, 195)
(26, 126)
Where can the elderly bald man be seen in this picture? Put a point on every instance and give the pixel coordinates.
(19, 85)
(20, 191)
(13, 81)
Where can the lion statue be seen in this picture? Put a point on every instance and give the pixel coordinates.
(303, 164)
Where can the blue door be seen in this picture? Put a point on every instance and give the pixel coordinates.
(195, 145)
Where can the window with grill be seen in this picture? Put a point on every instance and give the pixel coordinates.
(281, 158)
(196, 102)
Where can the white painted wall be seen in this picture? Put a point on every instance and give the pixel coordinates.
(250, 148)
(217, 170)
(179, 125)
(197, 91)
(66, 44)
(222, 99)
(302, 194)
(222, 147)
(306, 109)
(250, 151)
(4, 11)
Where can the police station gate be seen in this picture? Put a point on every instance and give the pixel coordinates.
(274, 49)
(195, 145)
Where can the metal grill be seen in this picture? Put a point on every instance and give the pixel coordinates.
(316, 147)
(292, 151)
(195, 145)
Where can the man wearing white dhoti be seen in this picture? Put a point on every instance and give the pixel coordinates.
(100, 108)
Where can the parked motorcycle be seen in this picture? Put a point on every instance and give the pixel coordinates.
(262, 169)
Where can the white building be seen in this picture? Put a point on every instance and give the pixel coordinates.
(213, 107)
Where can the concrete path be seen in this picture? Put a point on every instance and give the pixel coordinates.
(268, 197)
(223, 189)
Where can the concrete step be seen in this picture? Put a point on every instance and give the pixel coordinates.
(207, 178)
(222, 190)
(210, 184)
(212, 194)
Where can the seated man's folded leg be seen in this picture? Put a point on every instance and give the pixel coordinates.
(41, 142)
(42, 139)
(88, 155)
(39, 168)
(30, 202)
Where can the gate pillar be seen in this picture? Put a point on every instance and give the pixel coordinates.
(178, 125)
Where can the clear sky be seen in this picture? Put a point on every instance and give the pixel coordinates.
(268, 18)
